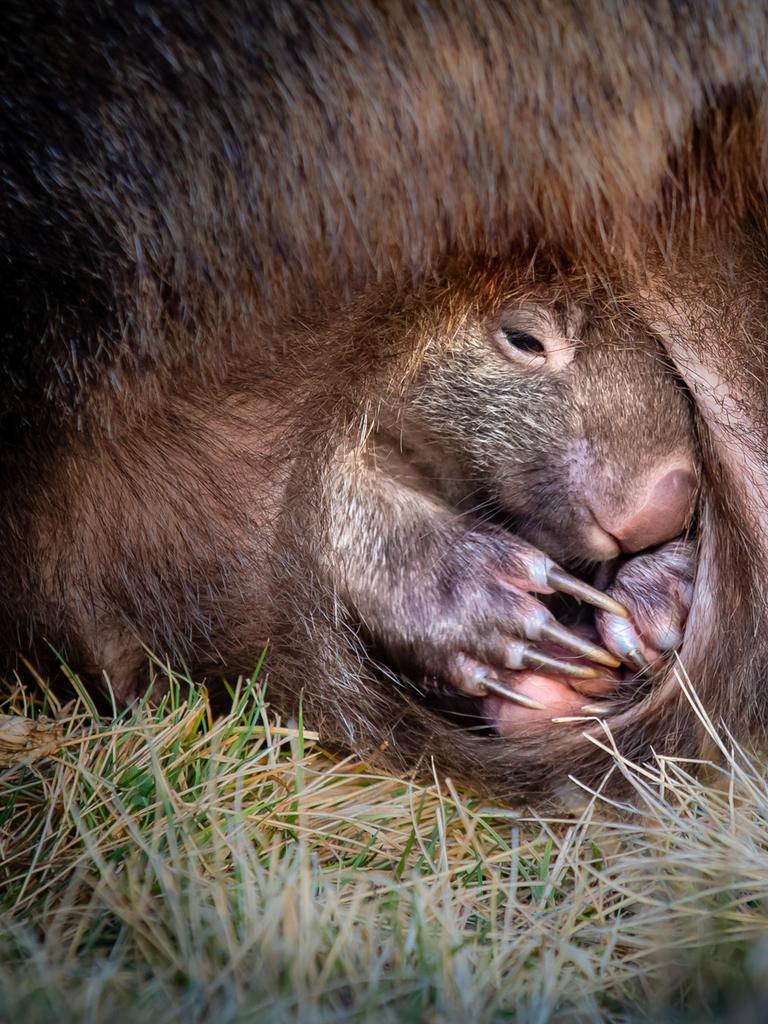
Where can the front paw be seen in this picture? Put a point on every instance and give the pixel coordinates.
(490, 637)
(657, 589)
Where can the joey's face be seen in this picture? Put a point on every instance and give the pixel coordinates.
(565, 420)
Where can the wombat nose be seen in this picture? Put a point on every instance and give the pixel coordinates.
(661, 511)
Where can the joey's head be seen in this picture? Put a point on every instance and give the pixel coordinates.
(564, 417)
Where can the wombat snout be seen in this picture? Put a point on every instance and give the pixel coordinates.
(658, 511)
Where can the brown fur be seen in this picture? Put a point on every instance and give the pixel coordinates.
(174, 175)
(186, 189)
(340, 512)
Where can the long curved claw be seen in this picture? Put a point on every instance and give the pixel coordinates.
(572, 642)
(531, 658)
(563, 582)
(519, 698)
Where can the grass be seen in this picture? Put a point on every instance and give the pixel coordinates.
(164, 865)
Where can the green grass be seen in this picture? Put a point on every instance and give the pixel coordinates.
(164, 865)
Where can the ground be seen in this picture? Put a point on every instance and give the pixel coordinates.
(163, 864)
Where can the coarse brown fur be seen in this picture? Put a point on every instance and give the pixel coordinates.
(185, 187)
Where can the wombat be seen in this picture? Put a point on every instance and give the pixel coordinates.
(382, 521)
(202, 205)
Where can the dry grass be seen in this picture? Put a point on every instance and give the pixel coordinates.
(163, 865)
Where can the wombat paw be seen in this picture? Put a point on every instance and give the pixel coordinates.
(505, 644)
(657, 589)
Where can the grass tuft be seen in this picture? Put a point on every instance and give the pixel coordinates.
(164, 864)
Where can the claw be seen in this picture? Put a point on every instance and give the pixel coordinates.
(636, 658)
(560, 580)
(519, 698)
(597, 709)
(531, 658)
(565, 638)
(625, 640)
(587, 711)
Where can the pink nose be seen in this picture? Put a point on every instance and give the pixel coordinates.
(660, 513)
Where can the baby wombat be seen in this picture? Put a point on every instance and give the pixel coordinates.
(382, 519)
(540, 427)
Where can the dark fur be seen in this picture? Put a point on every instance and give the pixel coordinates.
(199, 167)
(191, 197)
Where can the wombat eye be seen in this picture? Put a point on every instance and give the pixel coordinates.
(534, 342)
(523, 341)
